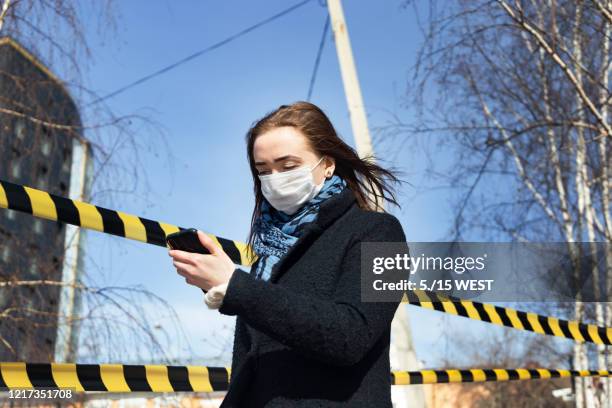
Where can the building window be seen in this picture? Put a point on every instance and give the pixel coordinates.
(28, 303)
(45, 147)
(6, 253)
(38, 227)
(42, 183)
(33, 268)
(15, 170)
(20, 129)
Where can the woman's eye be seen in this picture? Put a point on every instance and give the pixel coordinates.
(285, 168)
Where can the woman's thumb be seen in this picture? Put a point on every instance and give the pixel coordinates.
(208, 242)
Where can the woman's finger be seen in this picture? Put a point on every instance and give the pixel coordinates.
(182, 256)
(183, 268)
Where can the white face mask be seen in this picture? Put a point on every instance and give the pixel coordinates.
(289, 190)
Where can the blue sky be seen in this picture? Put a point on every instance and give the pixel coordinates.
(205, 108)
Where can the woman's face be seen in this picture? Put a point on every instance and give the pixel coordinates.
(286, 148)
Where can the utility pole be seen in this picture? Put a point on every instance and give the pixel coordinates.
(402, 353)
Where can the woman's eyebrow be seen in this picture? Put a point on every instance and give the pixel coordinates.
(278, 159)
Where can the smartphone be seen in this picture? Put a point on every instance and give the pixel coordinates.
(186, 240)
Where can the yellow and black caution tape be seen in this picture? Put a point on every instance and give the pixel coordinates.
(52, 207)
(45, 205)
(162, 378)
(508, 317)
(482, 375)
(113, 377)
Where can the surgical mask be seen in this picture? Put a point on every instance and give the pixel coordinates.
(289, 190)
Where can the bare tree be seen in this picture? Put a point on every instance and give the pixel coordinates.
(522, 100)
(508, 349)
(53, 31)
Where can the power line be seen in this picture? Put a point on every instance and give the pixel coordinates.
(313, 78)
(198, 53)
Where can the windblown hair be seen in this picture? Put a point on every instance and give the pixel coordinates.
(369, 182)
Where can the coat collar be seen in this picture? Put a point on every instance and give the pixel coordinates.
(330, 210)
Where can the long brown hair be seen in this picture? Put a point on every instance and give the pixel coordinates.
(369, 182)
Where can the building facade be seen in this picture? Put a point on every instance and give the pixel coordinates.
(39, 140)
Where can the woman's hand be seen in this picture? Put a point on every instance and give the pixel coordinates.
(203, 271)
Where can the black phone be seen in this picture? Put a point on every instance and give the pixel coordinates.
(186, 240)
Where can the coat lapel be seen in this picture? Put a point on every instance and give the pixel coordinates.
(329, 211)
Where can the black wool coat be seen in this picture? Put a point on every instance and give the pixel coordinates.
(304, 338)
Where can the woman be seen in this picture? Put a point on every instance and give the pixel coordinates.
(303, 337)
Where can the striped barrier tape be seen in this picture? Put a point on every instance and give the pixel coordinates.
(49, 206)
(485, 375)
(113, 377)
(507, 317)
(56, 208)
(161, 378)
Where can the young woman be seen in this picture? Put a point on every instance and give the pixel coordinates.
(303, 337)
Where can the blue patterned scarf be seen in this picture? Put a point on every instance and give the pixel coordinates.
(276, 231)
